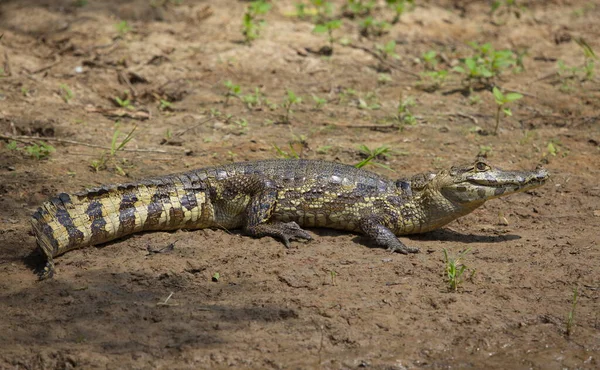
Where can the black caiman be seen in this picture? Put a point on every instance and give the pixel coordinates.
(275, 198)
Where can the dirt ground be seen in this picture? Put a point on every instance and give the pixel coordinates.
(335, 302)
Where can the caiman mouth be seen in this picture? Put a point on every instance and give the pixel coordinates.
(511, 179)
(482, 182)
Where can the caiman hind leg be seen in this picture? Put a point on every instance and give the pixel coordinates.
(374, 227)
(258, 214)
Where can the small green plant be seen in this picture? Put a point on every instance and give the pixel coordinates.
(333, 276)
(454, 269)
(387, 50)
(358, 8)
(122, 27)
(585, 72)
(501, 101)
(12, 145)
(324, 149)
(474, 99)
(403, 113)
(215, 277)
(80, 3)
(430, 60)
(110, 156)
(319, 102)
(571, 316)
(506, 7)
(372, 27)
(370, 101)
(328, 27)
(384, 78)
(346, 95)
(168, 135)
(165, 105)
(484, 150)
(554, 147)
(301, 10)
(486, 63)
(39, 151)
(66, 93)
(233, 90)
(242, 125)
(400, 7)
(432, 80)
(124, 103)
(254, 99)
(287, 155)
(371, 154)
(324, 9)
(251, 23)
(290, 100)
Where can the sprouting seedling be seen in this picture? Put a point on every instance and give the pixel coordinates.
(115, 147)
(242, 126)
(359, 8)
(399, 7)
(430, 60)
(319, 102)
(371, 27)
(590, 57)
(290, 100)
(371, 154)
(501, 101)
(66, 93)
(508, 7)
(233, 90)
(571, 316)
(122, 27)
(124, 103)
(328, 27)
(165, 105)
(39, 151)
(323, 8)
(403, 113)
(486, 63)
(455, 269)
(287, 155)
(434, 79)
(254, 99)
(387, 50)
(251, 24)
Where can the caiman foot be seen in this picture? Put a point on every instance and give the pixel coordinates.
(47, 272)
(283, 231)
(401, 248)
(383, 236)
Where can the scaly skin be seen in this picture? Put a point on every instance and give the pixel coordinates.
(275, 198)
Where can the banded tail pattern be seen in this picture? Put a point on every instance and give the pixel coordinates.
(96, 216)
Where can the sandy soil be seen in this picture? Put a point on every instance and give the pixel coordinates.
(332, 303)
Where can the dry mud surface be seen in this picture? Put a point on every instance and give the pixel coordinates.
(335, 302)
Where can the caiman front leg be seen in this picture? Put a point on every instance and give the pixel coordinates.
(374, 227)
(258, 214)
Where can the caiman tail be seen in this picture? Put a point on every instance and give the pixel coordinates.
(96, 216)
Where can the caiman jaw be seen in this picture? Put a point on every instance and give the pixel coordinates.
(480, 182)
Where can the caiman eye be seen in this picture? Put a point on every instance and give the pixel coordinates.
(481, 166)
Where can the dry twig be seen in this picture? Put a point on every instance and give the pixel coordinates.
(29, 139)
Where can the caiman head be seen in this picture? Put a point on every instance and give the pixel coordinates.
(449, 194)
(479, 181)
